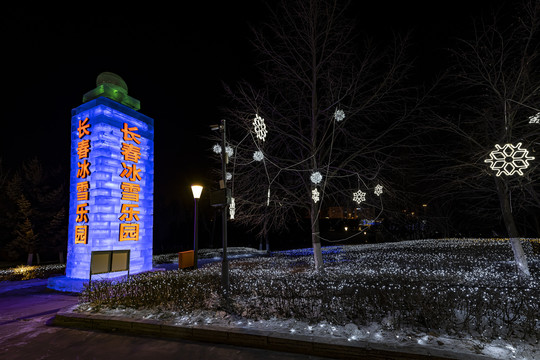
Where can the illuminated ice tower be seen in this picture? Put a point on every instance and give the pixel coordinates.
(111, 186)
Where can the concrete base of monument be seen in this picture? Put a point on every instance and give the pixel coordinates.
(65, 284)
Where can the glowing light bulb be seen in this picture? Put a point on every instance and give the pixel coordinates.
(258, 156)
(339, 115)
(316, 177)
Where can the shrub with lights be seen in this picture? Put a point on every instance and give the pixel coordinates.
(454, 286)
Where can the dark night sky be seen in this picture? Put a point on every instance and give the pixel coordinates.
(173, 59)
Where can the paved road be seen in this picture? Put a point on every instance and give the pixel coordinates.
(26, 308)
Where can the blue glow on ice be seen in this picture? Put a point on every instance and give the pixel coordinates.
(104, 202)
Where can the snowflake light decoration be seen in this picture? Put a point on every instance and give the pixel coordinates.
(258, 155)
(232, 209)
(260, 127)
(378, 190)
(229, 176)
(535, 119)
(228, 149)
(339, 115)
(359, 196)
(316, 177)
(509, 159)
(315, 195)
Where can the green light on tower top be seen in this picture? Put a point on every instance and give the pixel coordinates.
(112, 86)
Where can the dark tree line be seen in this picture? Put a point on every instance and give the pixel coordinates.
(33, 212)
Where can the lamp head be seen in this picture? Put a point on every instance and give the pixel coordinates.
(197, 190)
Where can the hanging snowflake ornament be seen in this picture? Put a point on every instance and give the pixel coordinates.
(378, 190)
(228, 149)
(229, 176)
(316, 177)
(232, 209)
(258, 156)
(260, 128)
(315, 195)
(535, 119)
(359, 196)
(339, 115)
(509, 159)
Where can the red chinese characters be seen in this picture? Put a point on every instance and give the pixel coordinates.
(129, 228)
(83, 187)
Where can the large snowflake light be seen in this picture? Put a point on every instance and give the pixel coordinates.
(509, 159)
(260, 127)
(359, 196)
(378, 190)
(258, 155)
(316, 177)
(339, 115)
(315, 195)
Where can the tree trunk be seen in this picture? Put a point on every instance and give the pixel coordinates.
(38, 259)
(511, 229)
(536, 244)
(265, 236)
(536, 226)
(315, 238)
(29, 259)
(61, 257)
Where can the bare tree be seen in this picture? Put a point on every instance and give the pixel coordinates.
(490, 130)
(325, 123)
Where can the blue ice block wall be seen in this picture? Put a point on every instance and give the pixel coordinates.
(107, 118)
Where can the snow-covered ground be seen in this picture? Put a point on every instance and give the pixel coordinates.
(399, 340)
(458, 263)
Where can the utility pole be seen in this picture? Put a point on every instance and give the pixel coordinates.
(225, 261)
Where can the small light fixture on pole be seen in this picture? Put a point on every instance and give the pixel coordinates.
(197, 190)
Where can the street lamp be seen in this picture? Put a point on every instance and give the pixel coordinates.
(197, 190)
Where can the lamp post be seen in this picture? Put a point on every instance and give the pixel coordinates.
(225, 262)
(197, 190)
(224, 206)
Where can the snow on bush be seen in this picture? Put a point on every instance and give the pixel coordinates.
(459, 287)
